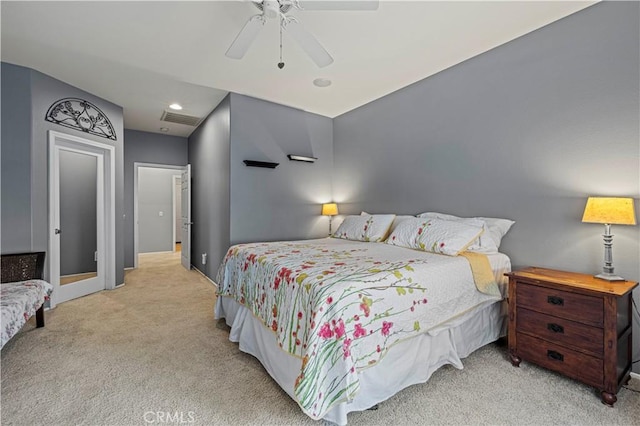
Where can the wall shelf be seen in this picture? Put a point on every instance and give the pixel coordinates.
(263, 164)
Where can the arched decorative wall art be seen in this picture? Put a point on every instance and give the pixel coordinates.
(81, 115)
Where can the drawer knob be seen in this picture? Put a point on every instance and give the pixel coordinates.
(557, 356)
(556, 328)
(555, 300)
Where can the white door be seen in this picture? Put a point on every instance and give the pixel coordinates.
(81, 217)
(186, 217)
(177, 211)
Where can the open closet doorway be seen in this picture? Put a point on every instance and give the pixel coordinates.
(159, 210)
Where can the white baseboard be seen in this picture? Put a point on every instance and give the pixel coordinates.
(635, 376)
(205, 277)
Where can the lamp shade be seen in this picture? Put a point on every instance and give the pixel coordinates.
(330, 209)
(617, 211)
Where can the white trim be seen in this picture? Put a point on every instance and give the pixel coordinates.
(635, 376)
(136, 167)
(106, 203)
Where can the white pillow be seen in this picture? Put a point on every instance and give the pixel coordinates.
(483, 244)
(498, 227)
(373, 228)
(494, 230)
(396, 220)
(435, 235)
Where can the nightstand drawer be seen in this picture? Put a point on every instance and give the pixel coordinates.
(576, 307)
(564, 332)
(572, 364)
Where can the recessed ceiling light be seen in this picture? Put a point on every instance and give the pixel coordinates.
(164, 129)
(322, 82)
(177, 107)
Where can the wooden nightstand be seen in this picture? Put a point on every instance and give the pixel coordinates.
(574, 324)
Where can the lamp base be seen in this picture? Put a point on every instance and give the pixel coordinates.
(609, 277)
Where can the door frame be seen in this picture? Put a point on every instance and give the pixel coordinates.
(136, 170)
(105, 155)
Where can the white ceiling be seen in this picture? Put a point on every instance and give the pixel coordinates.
(146, 55)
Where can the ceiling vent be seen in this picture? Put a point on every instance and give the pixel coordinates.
(187, 120)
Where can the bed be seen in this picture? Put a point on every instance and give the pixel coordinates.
(342, 325)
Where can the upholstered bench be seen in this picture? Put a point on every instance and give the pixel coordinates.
(22, 291)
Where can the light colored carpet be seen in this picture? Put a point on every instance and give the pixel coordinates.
(127, 356)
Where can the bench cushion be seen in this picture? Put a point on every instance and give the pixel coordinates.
(18, 302)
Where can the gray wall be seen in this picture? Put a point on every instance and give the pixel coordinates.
(209, 159)
(40, 95)
(233, 203)
(144, 147)
(78, 210)
(15, 208)
(525, 131)
(282, 203)
(155, 195)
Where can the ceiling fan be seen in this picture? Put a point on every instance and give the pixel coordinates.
(278, 9)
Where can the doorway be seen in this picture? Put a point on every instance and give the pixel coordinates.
(81, 216)
(158, 209)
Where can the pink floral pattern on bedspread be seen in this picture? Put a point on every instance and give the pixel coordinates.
(340, 305)
(19, 301)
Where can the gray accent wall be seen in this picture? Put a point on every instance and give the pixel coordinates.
(78, 210)
(209, 159)
(282, 203)
(145, 147)
(233, 203)
(155, 209)
(15, 207)
(526, 131)
(41, 92)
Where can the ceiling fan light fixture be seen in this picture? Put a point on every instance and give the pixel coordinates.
(322, 82)
(271, 8)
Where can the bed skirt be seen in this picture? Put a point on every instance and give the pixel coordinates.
(409, 362)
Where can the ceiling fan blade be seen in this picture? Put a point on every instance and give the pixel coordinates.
(245, 37)
(308, 42)
(337, 4)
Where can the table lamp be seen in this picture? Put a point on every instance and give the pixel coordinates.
(330, 209)
(609, 211)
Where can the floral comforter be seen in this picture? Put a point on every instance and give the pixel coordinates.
(340, 305)
(19, 301)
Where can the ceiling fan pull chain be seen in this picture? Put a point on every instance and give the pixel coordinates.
(281, 63)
